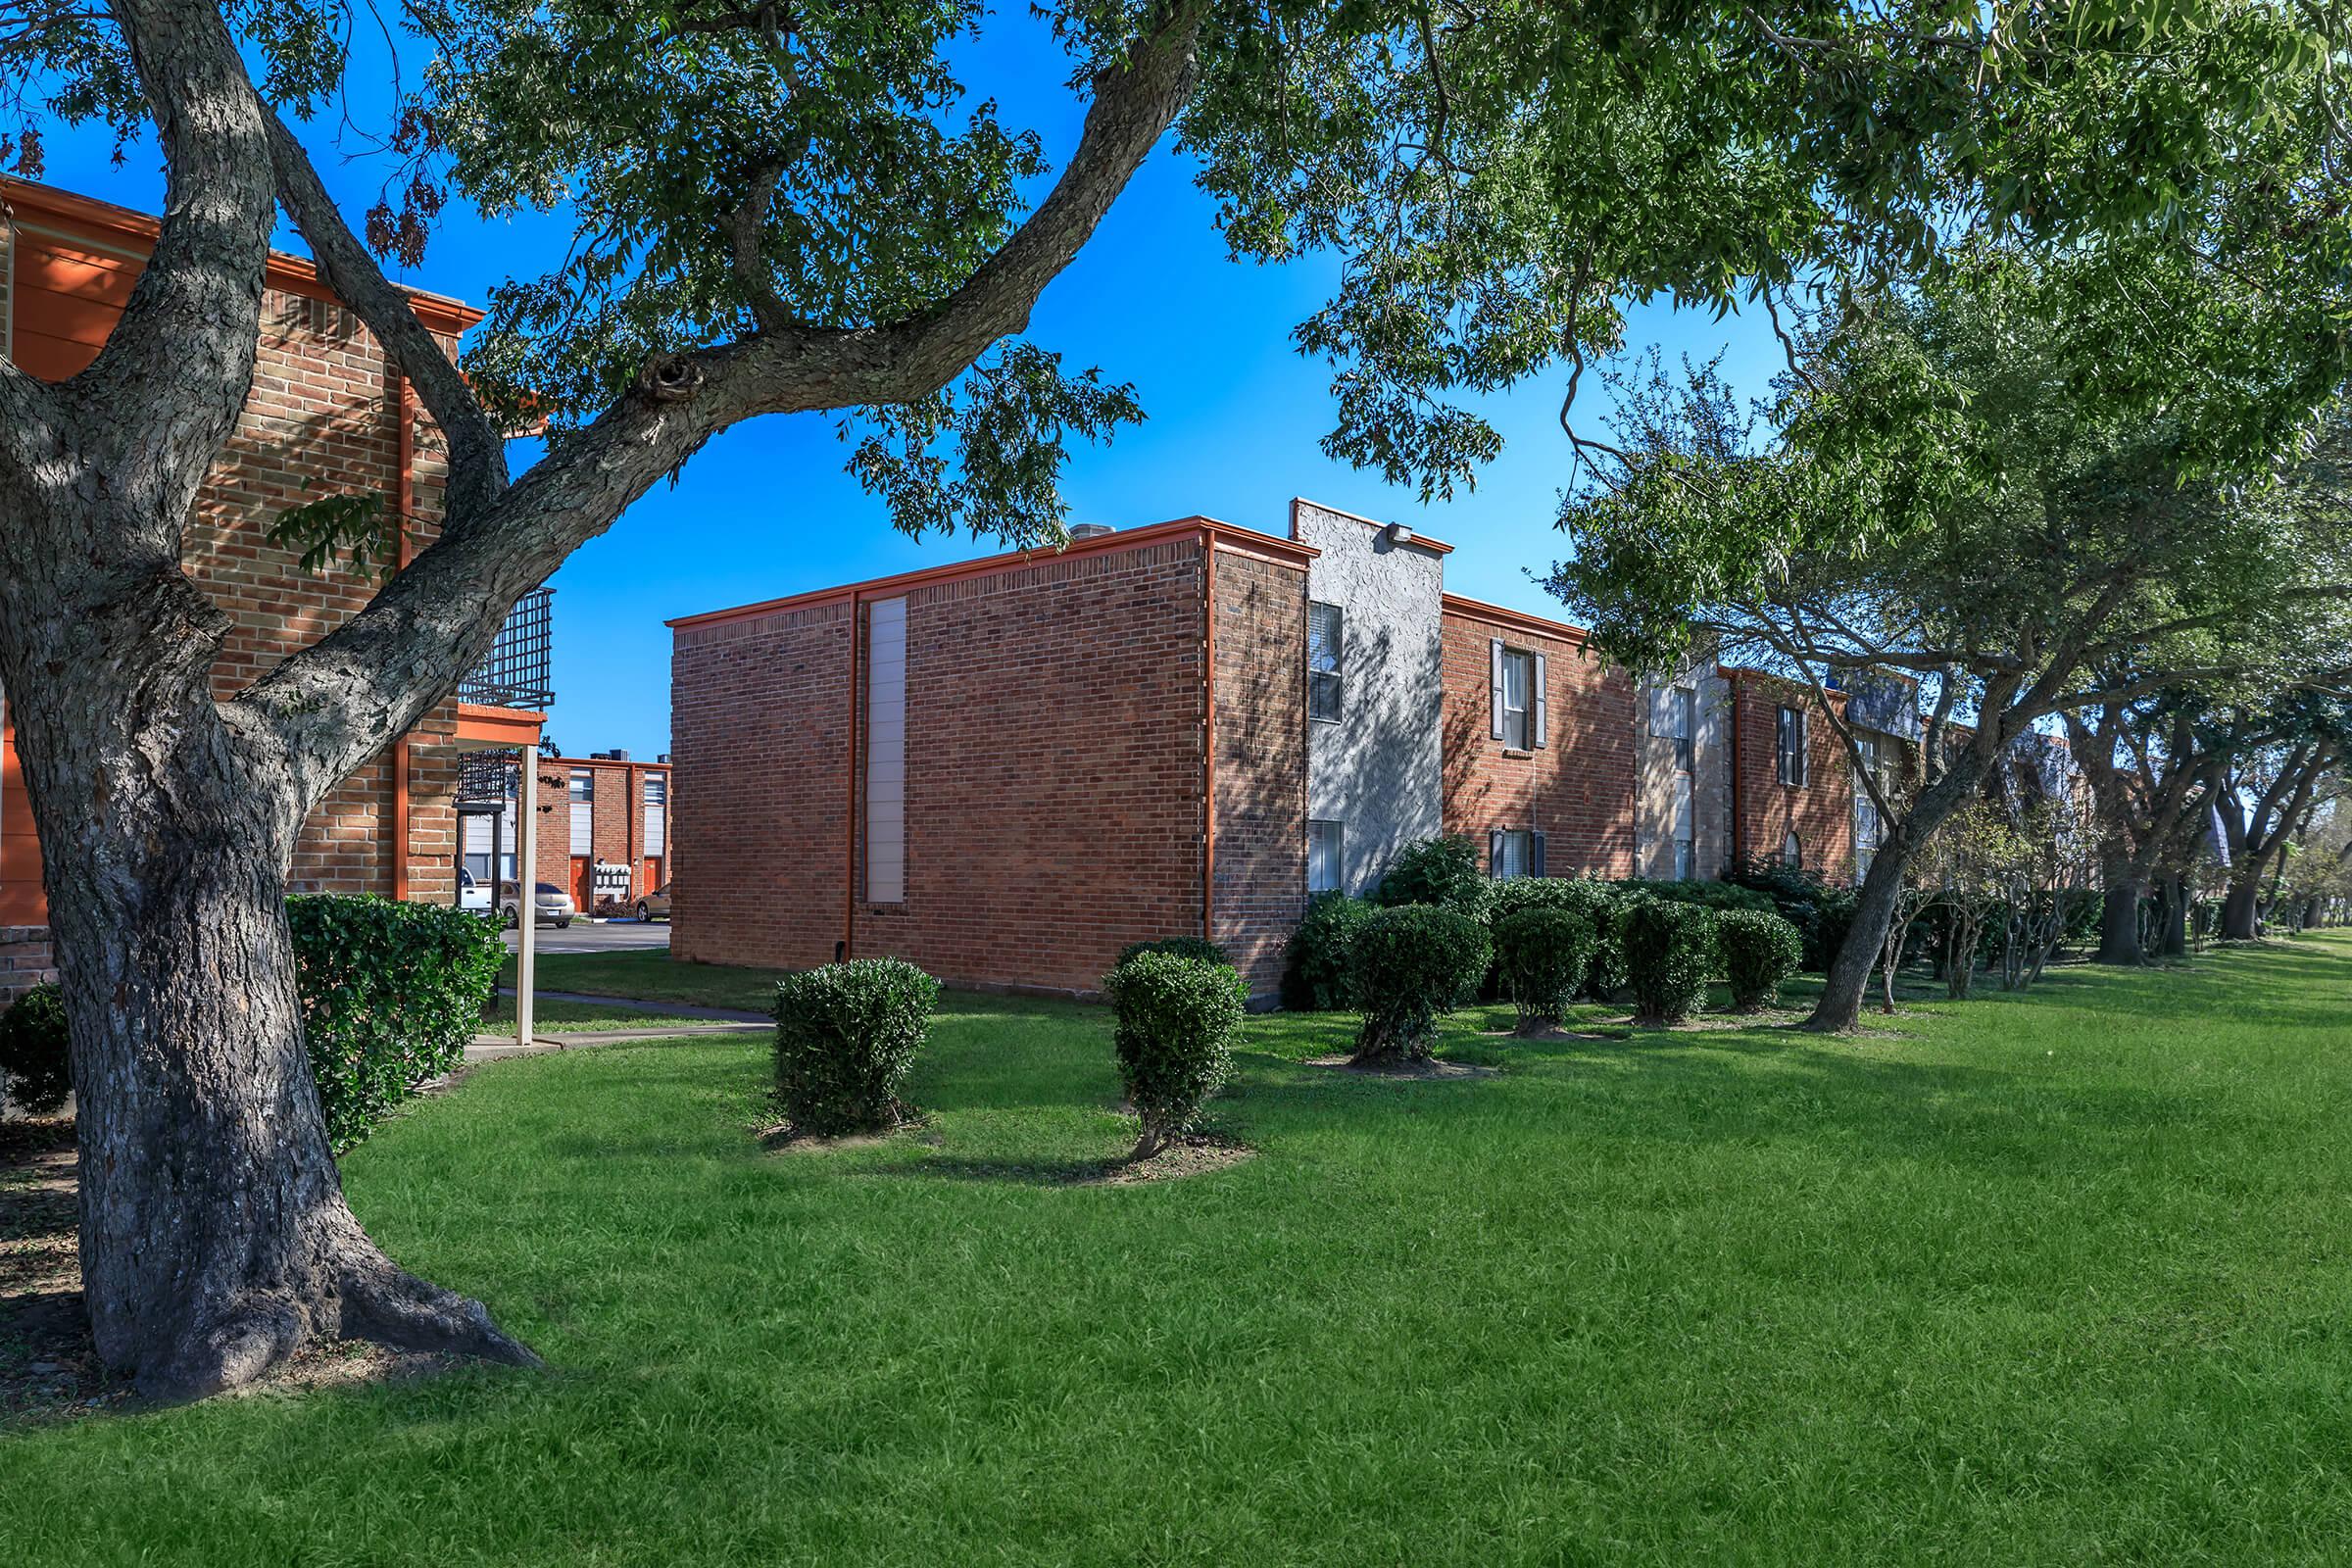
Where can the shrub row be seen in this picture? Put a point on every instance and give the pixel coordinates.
(391, 993)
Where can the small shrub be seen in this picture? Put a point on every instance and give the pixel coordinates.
(1821, 913)
(1759, 950)
(1198, 948)
(846, 1035)
(1412, 963)
(1442, 872)
(391, 996)
(37, 1059)
(1177, 1018)
(1542, 955)
(1669, 953)
(1706, 895)
(1596, 902)
(1317, 974)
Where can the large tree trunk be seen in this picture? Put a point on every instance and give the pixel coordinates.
(2240, 908)
(2119, 919)
(2172, 913)
(215, 1239)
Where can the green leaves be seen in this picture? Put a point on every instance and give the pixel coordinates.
(359, 527)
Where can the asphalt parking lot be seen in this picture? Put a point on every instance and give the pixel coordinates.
(611, 936)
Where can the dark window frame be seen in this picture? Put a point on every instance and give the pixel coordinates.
(1326, 686)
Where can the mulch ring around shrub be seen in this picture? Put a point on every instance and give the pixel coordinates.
(1189, 1154)
(1417, 1071)
(1553, 1032)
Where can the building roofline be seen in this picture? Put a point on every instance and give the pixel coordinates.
(1435, 545)
(1511, 619)
(88, 218)
(609, 761)
(1287, 550)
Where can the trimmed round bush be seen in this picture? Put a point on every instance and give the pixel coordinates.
(391, 997)
(1317, 972)
(1177, 1018)
(1410, 964)
(1596, 902)
(846, 1035)
(1542, 955)
(1759, 950)
(1440, 871)
(1706, 895)
(1669, 953)
(37, 1059)
(1198, 948)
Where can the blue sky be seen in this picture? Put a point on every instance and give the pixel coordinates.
(1234, 415)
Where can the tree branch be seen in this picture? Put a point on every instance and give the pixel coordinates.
(477, 453)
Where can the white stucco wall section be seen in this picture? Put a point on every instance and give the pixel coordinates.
(1379, 770)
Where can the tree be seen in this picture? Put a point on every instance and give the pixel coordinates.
(785, 210)
(1965, 486)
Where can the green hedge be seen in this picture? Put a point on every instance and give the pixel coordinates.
(1706, 895)
(1821, 913)
(1317, 975)
(1412, 963)
(1595, 901)
(1669, 956)
(391, 996)
(1542, 955)
(1198, 948)
(36, 1058)
(1443, 872)
(1759, 950)
(846, 1037)
(1176, 1021)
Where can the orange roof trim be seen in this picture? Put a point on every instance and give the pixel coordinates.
(1511, 619)
(1223, 534)
(73, 216)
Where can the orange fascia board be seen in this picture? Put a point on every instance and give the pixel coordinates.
(1511, 619)
(497, 726)
(607, 761)
(1288, 552)
(121, 228)
(1433, 546)
(1728, 671)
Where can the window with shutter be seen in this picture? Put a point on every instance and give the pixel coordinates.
(1324, 842)
(1516, 699)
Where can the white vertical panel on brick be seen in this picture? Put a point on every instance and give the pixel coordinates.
(886, 752)
(657, 811)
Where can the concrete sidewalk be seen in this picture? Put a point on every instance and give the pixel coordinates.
(496, 1047)
(666, 1010)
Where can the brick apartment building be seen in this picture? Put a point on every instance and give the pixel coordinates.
(328, 413)
(1005, 769)
(603, 825)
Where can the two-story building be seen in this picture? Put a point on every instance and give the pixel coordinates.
(329, 414)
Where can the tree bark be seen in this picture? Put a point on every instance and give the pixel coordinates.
(2238, 908)
(2119, 920)
(215, 1238)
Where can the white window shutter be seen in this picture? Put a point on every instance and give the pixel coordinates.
(1494, 682)
(1535, 702)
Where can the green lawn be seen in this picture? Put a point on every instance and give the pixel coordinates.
(2061, 1281)
(650, 974)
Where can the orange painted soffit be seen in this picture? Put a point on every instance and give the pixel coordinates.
(86, 218)
(497, 726)
(1287, 550)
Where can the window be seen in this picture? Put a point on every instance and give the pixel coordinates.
(655, 832)
(1793, 852)
(1685, 847)
(1516, 681)
(1686, 718)
(1323, 641)
(1323, 846)
(1868, 830)
(886, 752)
(583, 811)
(1514, 852)
(1789, 742)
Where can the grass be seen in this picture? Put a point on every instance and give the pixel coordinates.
(571, 1017)
(2062, 1280)
(650, 974)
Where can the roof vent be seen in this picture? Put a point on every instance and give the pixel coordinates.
(1090, 530)
(664, 757)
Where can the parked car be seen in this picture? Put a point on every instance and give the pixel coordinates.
(472, 895)
(551, 907)
(654, 902)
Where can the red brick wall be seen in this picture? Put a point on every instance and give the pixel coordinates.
(760, 753)
(1260, 872)
(1820, 811)
(322, 418)
(1053, 769)
(1578, 788)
